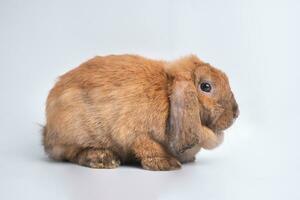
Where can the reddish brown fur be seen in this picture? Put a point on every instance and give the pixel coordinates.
(118, 108)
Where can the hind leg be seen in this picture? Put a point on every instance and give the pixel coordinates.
(97, 158)
(89, 157)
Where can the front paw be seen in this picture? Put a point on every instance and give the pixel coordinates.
(160, 163)
(212, 139)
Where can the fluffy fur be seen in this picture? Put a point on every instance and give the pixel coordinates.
(122, 108)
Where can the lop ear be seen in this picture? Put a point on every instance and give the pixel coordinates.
(184, 125)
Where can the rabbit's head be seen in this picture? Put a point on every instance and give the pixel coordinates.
(218, 107)
(200, 95)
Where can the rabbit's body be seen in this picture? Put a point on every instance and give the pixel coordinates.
(113, 109)
(99, 104)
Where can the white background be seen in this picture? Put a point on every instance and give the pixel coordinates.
(255, 42)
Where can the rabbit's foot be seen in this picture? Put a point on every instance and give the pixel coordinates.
(98, 158)
(160, 164)
(153, 155)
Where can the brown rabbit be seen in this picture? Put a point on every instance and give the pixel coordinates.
(124, 108)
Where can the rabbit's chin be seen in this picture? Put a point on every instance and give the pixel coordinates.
(218, 132)
(222, 125)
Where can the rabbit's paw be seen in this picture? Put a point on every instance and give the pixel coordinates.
(160, 163)
(98, 158)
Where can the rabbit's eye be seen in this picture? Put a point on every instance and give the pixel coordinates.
(206, 87)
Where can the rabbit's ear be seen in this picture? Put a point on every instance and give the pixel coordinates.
(184, 123)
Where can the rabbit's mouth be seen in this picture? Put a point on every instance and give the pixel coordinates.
(221, 117)
(220, 123)
(223, 122)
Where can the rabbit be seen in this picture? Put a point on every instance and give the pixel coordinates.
(129, 109)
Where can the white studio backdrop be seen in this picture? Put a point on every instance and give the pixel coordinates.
(255, 42)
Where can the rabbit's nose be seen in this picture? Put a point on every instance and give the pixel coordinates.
(235, 110)
(235, 107)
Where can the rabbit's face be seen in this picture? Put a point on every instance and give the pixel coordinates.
(218, 107)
